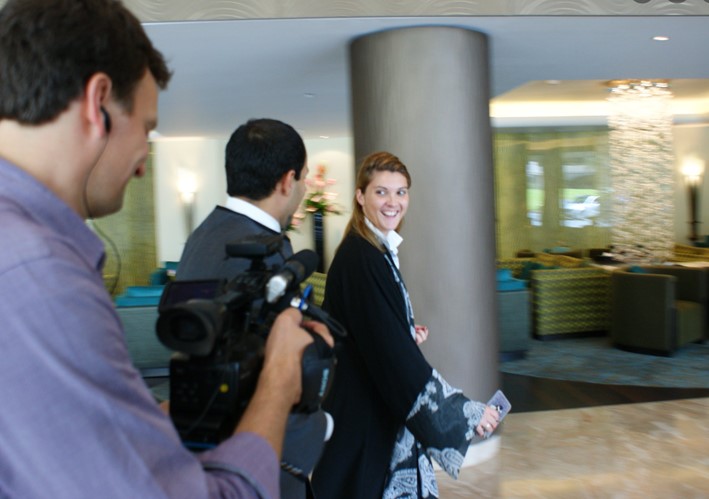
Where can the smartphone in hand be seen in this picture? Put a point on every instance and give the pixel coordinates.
(500, 402)
(503, 406)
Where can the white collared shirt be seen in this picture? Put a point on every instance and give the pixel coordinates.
(253, 212)
(392, 240)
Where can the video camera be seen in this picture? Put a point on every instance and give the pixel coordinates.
(218, 330)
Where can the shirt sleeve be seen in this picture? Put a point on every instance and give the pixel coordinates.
(443, 420)
(80, 420)
(247, 463)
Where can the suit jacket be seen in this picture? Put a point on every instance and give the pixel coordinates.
(204, 257)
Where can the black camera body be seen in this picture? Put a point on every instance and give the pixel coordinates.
(219, 329)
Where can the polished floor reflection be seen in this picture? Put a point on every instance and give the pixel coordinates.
(641, 450)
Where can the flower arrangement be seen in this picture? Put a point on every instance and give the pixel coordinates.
(317, 199)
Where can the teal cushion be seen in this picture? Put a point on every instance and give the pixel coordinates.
(137, 301)
(158, 277)
(171, 265)
(504, 274)
(511, 285)
(141, 291)
(637, 269)
(505, 281)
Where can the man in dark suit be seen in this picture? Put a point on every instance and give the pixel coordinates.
(266, 170)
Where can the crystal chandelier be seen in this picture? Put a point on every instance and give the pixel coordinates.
(641, 164)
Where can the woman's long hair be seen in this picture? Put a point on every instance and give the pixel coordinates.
(376, 162)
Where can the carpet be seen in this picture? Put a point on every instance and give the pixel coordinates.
(595, 360)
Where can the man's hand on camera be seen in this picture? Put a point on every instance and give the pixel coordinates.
(279, 385)
(284, 348)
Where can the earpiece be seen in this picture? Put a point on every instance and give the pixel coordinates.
(106, 120)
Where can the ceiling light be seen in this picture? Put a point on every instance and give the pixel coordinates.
(661, 38)
(308, 95)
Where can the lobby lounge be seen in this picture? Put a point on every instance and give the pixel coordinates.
(561, 440)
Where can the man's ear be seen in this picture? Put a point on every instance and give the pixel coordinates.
(96, 93)
(287, 183)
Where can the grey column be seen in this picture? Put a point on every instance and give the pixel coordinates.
(422, 94)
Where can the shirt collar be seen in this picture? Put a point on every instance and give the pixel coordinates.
(253, 212)
(391, 241)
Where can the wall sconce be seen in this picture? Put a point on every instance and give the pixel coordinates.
(187, 190)
(693, 171)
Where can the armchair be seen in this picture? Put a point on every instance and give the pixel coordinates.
(657, 309)
(567, 298)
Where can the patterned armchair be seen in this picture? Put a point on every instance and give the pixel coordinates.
(567, 297)
(317, 279)
(570, 301)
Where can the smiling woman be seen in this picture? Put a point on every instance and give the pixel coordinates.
(386, 395)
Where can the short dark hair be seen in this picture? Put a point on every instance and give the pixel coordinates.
(258, 154)
(49, 49)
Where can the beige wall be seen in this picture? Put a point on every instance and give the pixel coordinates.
(690, 141)
(204, 159)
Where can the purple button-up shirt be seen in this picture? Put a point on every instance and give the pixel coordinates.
(76, 419)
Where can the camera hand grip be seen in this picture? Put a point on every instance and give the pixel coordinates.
(318, 367)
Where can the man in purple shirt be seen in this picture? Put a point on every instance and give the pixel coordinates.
(79, 82)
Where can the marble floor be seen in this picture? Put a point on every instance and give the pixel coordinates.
(645, 450)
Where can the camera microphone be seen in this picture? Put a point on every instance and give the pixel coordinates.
(296, 269)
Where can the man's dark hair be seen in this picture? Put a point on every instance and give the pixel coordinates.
(49, 49)
(258, 154)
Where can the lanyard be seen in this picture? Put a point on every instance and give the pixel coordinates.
(400, 280)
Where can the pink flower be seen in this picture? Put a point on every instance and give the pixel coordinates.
(317, 200)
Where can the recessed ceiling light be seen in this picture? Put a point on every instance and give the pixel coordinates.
(661, 38)
(308, 95)
(324, 136)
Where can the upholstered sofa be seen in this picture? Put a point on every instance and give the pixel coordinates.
(685, 253)
(568, 296)
(137, 308)
(140, 296)
(150, 356)
(658, 309)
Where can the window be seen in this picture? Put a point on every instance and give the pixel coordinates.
(552, 189)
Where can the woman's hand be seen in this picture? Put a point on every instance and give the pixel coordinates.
(421, 333)
(489, 421)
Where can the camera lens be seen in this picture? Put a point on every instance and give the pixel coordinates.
(191, 327)
(188, 328)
